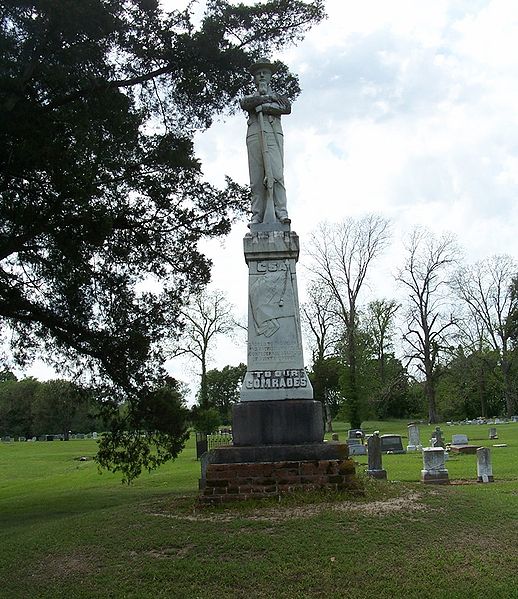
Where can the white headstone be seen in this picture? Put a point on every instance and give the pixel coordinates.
(459, 440)
(434, 470)
(414, 440)
(484, 466)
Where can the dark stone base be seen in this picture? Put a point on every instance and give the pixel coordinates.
(437, 478)
(381, 474)
(228, 454)
(282, 422)
(469, 449)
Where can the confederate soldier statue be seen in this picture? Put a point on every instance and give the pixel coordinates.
(265, 144)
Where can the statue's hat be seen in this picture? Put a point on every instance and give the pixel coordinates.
(263, 63)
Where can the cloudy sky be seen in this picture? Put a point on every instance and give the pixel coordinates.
(409, 108)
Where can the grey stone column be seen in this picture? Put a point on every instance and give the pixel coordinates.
(414, 440)
(484, 466)
(375, 468)
(276, 399)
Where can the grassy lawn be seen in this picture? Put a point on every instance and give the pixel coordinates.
(66, 531)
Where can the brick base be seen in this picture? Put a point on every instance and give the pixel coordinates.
(231, 482)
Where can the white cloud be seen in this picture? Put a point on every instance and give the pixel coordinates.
(408, 108)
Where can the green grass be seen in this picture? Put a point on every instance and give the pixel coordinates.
(66, 531)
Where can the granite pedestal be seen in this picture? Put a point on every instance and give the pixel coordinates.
(277, 422)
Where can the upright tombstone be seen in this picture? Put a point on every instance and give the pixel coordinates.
(391, 444)
(434, 469)
(437, 435)
(375, 468)
(277, 426)
(414, 440)
(492, 433)
(484, 466)
(459, 440)
(356, 447)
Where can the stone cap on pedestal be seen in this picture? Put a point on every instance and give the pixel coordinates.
(271, 245)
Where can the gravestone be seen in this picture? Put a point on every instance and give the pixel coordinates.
(94, 435)
(459, 440)
(414, 440)
(375, 468)
(484, 466)
(434, 470)
(356, 447)
(355, 433)
(492, 433)
(514, 418)
(391, 444)
(438, 436)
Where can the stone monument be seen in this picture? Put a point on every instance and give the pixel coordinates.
(437, 435)
(414, 440)
(277, 403)
(434, 469)
(484, 466)
(375, 468)
(277, 426)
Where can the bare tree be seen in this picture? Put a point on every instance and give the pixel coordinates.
(319, 318)
(486, 288)
(208, 315)
(429, 317)
(341, 255)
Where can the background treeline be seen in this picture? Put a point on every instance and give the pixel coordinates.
(444, 347)
(30, 408)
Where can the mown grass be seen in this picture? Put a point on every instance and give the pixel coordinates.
(66, 531)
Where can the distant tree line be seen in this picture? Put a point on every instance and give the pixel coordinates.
(447, 350)
(31, 408)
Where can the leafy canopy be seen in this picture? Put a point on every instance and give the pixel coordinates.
(102, 199)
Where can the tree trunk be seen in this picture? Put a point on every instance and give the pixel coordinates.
(508, 388)
(429, 390)
(353, 399)
(329, 420)
(203, 384)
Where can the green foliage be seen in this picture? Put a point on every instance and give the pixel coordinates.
(223, 388)
(205, 420)
(325, 379)
(16, 401)
(101, 194)
(56, 405)
(154, 432)
(7, 375)
(471, 385)
(31, 408)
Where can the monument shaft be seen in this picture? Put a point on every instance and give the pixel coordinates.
(275, 359)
